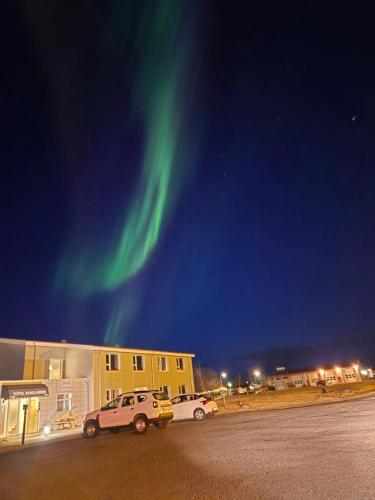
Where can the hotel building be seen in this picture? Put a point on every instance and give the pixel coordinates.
(60, 382)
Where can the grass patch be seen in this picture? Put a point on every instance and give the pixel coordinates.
(296, 397)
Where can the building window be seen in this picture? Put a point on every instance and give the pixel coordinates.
(112, 362)
(138, 363)
(55, 369)
(112, 394)
(180, 364)
(64, 402)
(165, 389)
(162, 364)
(182, 389)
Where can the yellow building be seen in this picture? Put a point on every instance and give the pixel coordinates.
(60, 381)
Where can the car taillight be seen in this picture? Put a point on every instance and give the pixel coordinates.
(205, 401)
(155, 404)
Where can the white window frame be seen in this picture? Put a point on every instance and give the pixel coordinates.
(59, 369)
(111, 394)
(162, 389)
(160, 364)
(135, 365)
(180, 389)
(67, 397)
(108, 362)
(180, 364)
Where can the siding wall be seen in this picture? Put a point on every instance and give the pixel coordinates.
(127, 379)
(12, 360)
(48, 406)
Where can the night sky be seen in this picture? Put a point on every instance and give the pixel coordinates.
(192, 176)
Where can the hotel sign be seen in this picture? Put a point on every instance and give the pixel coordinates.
(24, 391)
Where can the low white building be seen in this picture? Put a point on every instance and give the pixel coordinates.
(338, 374)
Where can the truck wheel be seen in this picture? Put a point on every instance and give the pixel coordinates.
(140, 424)
(91, 429)
(199, 414)
(161, 425)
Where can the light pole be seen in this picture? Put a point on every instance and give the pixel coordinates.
(24, 423)
(256, 376)
(223, 375)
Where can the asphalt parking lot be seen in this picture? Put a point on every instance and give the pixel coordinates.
(320, 452)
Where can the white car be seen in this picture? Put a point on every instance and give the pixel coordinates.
(241, 390)
(194, 406)
(136, 409)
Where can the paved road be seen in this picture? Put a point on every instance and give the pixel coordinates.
(321, 452)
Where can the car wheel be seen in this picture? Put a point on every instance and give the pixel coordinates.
(114, 431)
(140, 425)
(199, 414)
(91, 429)
(161, 425)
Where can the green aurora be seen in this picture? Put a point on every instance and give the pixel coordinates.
(160, 102)
(163, 87)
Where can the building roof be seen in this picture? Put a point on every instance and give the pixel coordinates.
(107, 348)
(316, 368)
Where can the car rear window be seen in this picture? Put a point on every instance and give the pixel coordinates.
(160, 396)
(206, 396)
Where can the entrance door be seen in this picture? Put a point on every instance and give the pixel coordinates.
(32, 415)
(12, 423)
(21, 417)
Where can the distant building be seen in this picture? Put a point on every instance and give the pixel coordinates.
(339, 374)
(60, 381)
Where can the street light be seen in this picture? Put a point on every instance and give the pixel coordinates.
(257, 376)
(223, 375)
